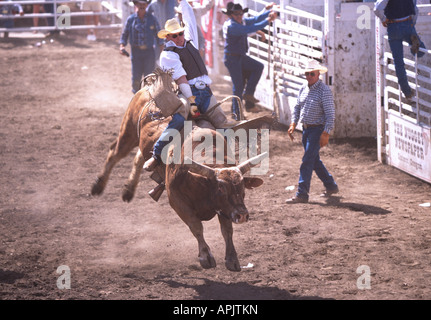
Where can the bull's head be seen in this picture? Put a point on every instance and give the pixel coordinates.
(229, 185)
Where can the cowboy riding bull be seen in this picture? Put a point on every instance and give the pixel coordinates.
(156, 111)
(197, 192)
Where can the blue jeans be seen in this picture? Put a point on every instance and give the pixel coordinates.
(311, 162)
(143, 63)
(176, 124)
(245, 72)
(397, 33)
(6, 23)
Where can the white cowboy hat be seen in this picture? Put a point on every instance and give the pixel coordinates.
(171, 26)
(313, 65)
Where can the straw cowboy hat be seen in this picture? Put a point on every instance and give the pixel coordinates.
(313, 65)
(171, 26)
(232, 7)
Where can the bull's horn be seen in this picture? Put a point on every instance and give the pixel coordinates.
(198, 168)
(248, 164)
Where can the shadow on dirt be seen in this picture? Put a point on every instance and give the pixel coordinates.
(214, 290)
(358, 207)
(9, 276)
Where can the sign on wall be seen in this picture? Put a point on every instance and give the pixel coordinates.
(409, 147)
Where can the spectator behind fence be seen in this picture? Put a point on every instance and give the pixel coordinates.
(37, 8)
(8, 8)
(50, 8)
(244, 71)
(162, 10)
(141, 32)
(399, 17)
(92, 6)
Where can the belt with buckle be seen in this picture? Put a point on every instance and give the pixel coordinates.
(200, 85)
(400, 20)
(306, 126)
(144, 47)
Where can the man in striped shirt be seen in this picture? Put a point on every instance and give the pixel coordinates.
(315, 110)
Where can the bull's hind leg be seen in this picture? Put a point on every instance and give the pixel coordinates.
(231, 259)
(130, 187)
(117, 151)
(102, 179)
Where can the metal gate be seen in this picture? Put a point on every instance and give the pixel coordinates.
(290, 41)
(404, 126)
(64, 14)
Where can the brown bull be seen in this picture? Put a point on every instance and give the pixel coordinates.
(198, 192)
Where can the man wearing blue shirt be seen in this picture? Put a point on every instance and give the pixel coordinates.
(244, 71)
(399, 16)
(315, 110)
(141, 31)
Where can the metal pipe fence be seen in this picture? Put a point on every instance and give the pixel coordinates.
(62, 14)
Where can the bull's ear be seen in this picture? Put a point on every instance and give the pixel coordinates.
(198, 168)
(252, 182)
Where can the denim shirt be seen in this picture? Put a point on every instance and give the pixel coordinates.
(236, 33)
(141, 32)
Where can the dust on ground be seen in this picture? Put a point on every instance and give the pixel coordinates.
(62, 104)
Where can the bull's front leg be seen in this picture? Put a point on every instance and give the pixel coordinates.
(231, 259)
(206, 259)
(130, 187)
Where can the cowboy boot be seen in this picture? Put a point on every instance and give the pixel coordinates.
(218, 118)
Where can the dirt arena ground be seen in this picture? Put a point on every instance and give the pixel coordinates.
(61, 106)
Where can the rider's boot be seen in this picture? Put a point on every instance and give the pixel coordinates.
(218, 118)
(152, 163)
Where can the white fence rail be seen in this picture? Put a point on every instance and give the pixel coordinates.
(62, 14)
